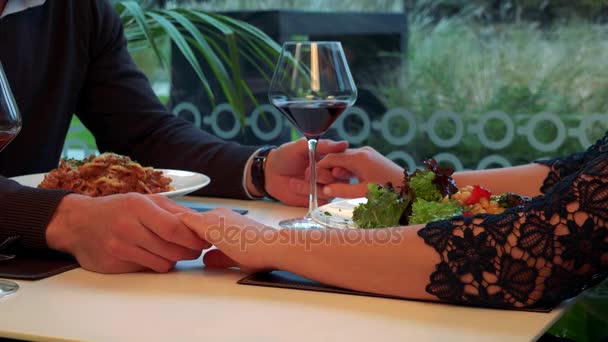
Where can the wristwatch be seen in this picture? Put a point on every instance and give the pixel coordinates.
(258, 166)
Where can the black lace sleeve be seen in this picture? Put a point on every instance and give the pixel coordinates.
(567, 165)
(540, 254)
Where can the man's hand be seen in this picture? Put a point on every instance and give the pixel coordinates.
(365, 164)
(286, 171)
(123, 233)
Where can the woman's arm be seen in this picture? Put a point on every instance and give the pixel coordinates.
(547, 251)
(525, 180)
(544, 252)
(389, 261)
(369, 166)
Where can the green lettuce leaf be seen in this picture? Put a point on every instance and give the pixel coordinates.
(423, 186)
(429, 211)
(384, 208)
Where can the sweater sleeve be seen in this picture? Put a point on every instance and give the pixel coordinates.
(26, 212)
(121, 110)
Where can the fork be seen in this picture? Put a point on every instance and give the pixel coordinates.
(7, 242)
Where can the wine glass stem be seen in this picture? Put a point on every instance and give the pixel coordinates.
(312, 155)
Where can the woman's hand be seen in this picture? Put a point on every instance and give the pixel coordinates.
(286, 169)
(241, 242)
(365, 164)
(123, 233)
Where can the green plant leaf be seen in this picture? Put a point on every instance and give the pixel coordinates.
(219, 42)
(180, 41)
(131, 10)
(217, 67)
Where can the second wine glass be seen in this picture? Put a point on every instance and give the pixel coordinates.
(10, 125)
(311, 86)
(10, 119)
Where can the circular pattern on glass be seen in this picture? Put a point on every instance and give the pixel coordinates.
(400, 156)
(214, 122)
(395, 114)
(191, 108)
(509, 133)
(493, 159)
(363, 134)
(278, 122)
(451, 159)
(587, 124)
(458, 131)
(537, 121)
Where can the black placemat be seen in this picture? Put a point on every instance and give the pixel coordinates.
(282, 279)
(32, 267)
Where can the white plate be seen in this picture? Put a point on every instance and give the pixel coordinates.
(338, 214)
(184, 182)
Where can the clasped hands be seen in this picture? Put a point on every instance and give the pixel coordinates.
(133, 232)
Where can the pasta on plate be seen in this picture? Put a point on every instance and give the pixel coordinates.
(106, 174)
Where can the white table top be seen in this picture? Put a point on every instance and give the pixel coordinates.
(191, 303)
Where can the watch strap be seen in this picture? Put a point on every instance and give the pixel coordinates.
(258, 167)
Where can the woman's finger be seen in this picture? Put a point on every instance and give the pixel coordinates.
(325, 146)
(346, 161)
(345, 190)
(341, 173)
(210, 225)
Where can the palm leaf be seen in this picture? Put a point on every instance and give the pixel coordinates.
(180, 41)
(131, 12)
(220, 41)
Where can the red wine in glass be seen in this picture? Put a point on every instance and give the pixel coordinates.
(312, 118)
(311, 86)
(7, 135)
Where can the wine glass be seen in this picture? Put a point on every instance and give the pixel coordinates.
(311, 87)
(10, 119)
(10, 125)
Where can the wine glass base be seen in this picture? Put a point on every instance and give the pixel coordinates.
(300, 223)
(7, 287)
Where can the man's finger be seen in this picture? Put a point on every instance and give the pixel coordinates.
(217, 258)
(296, 201)
(324, 176)
(169, 205)
(140, 256)
(301, 188)
(170, 228)
(146, 239)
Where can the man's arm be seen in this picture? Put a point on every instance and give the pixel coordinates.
(118, 105)
(26, 212)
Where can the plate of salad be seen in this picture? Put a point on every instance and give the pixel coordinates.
(425, 196)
